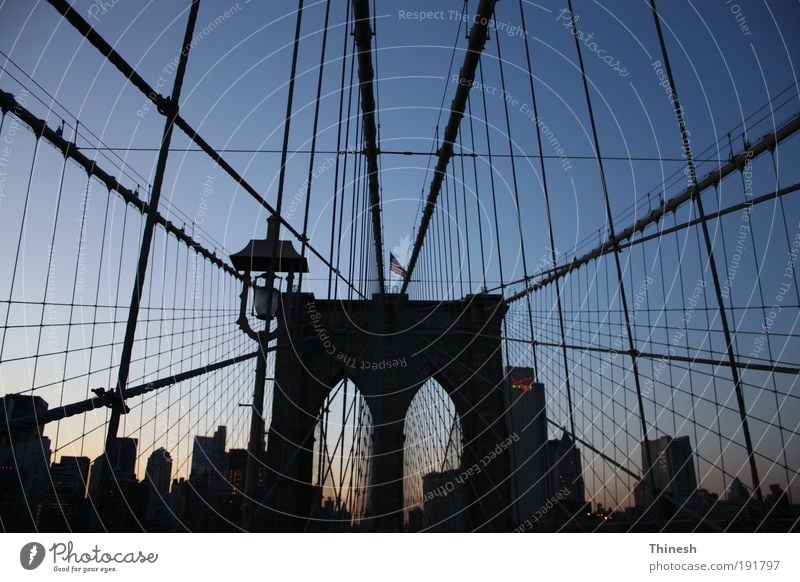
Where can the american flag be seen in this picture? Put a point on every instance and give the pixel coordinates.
(395, 266)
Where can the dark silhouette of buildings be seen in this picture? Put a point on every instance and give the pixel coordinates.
(156, 481)
(330, 519)
(777, 497)
(15, 407)
(237, 468)
(527, 419)
(210, 463)
(159, 470)
(114, 490)
(202, 458)
(737, 492)
(669, 489)
(443, 496)
(61, 504)
(565, 474)
(124, 456)
(205, 496)
(24, 462)
(231, 497)
(74, 494)
(673, 467)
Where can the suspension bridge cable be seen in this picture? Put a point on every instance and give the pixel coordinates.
(477, 195)
(147, 234)
(314, 128)
(163, 105)
(338, 143)
(491, 169)
(609, 218)
(477, 41)
(697, 196)
(430, 152)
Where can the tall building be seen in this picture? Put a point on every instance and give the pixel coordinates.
(64, 496)
(237, 469)
(177, 502)
(14, 407)
(202, 455)
(218, 443)
(113, 488)
(444, 502)
(207, 505)
(123, 458)
(777, 499)
(641, 498)
(673, 468)
(526, 416)
(565, 473)
(159, 470)
(208, 456)
(70, 476)
(231, 496)
(218, 480)
(156, 483)
(737, 492)
(331, 518)
(24, 461)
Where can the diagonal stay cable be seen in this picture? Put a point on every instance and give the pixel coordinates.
(466, 78)
(162, 104)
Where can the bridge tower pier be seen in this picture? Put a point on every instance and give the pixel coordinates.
(389, 347)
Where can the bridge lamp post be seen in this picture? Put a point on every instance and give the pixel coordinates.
(267, 257)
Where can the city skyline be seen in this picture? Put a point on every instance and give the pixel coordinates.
(550, 491)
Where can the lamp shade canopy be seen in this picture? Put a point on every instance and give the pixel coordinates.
(257, 256)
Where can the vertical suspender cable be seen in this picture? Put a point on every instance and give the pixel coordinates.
(467, 239)
(312, 156)
(477, 193)
(687, 152)
(491, 176)
(344, 167)
(610, 218)
(338, 143)
(548, 210)
(517, 204)
(147, 235)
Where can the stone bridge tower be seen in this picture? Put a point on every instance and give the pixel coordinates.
(388, 346)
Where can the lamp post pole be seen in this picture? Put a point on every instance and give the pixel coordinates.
(270, 256)
(255, 445)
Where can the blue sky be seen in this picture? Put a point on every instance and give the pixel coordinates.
(235, 95)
